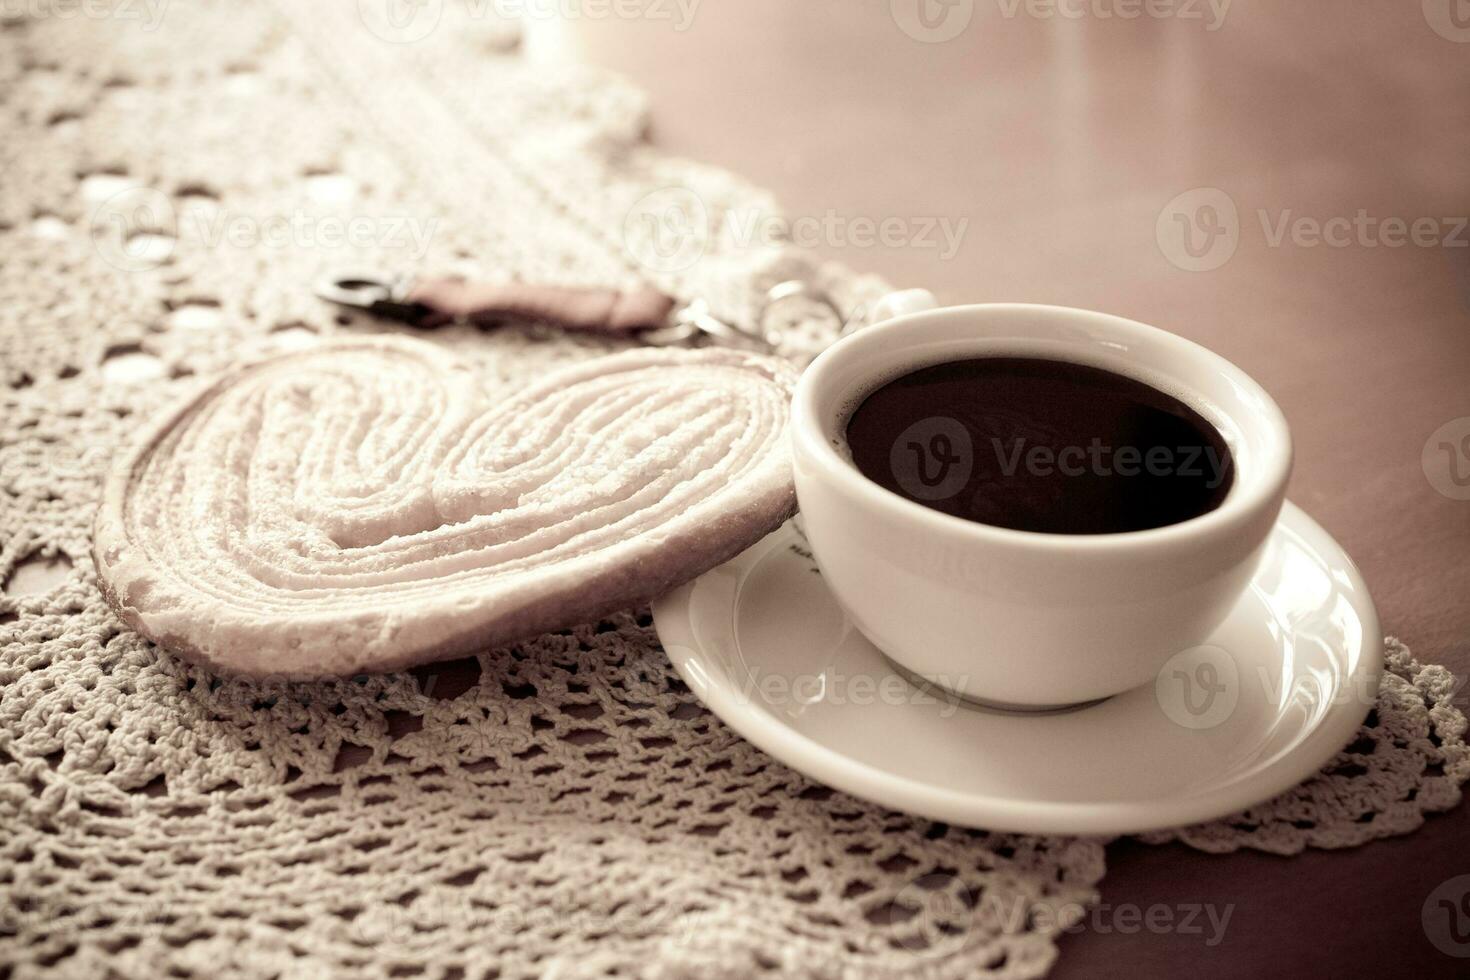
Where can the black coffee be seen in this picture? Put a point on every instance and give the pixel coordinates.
(1040, 445)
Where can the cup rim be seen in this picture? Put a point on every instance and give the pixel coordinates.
(1238, 507)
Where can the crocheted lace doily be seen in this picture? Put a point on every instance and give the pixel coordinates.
(563, 807)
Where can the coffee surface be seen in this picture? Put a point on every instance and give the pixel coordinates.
(1040, 445)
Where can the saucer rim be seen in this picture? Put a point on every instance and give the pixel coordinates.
(1335, 729)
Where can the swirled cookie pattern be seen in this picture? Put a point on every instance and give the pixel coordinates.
(363, 505)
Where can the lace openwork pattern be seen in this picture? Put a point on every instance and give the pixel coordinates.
(562, 807)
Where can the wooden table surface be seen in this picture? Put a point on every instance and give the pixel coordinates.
(1066, 143)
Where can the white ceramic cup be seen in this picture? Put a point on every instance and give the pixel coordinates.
(1016, 618)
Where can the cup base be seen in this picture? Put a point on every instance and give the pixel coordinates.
(984, 704)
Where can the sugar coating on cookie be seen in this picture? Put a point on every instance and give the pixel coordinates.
(363, 505)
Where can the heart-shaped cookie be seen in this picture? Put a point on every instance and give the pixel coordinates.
(364, 506)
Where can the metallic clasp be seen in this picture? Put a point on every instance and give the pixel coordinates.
(694, 321)
(378, 295)
(797, 301)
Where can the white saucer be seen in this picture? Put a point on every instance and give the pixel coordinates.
(1276, 692)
